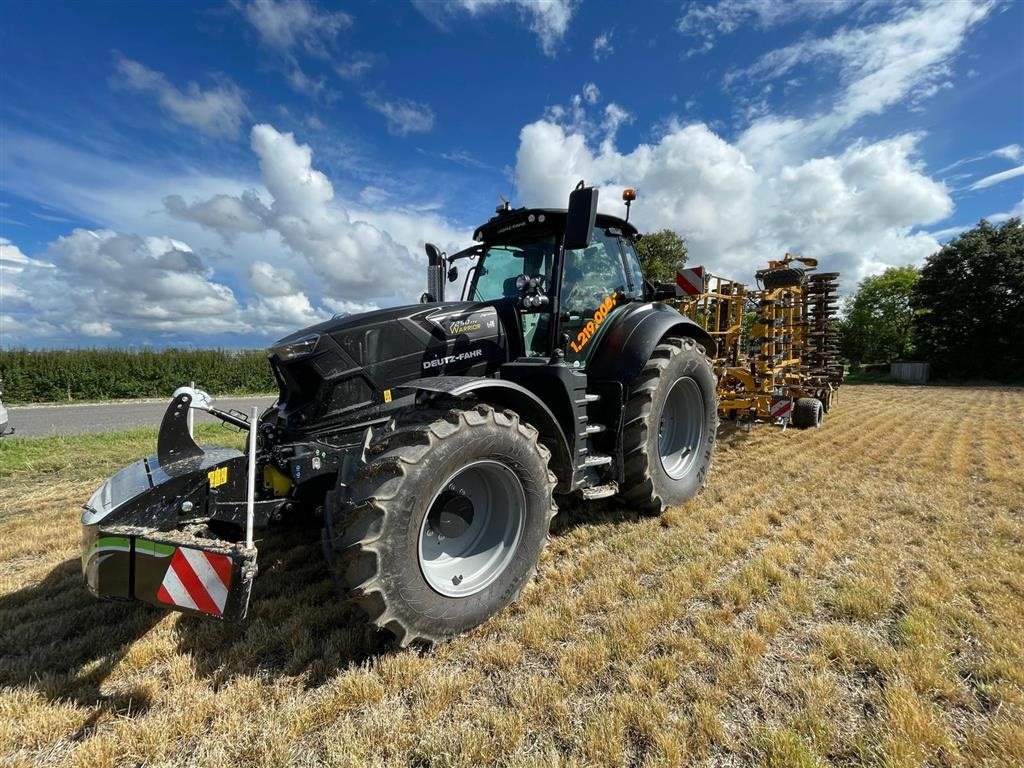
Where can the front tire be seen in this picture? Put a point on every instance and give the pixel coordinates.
(448, 520)
(669, 426)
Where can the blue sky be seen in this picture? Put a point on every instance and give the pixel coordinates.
(222, 174)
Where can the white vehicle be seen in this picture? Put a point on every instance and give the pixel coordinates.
(3, 420)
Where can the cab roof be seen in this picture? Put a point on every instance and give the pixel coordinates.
(519, 222)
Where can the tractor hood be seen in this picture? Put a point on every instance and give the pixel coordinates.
(343, 369)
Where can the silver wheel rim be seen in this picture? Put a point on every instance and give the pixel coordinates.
(681, 429)
(472, 529)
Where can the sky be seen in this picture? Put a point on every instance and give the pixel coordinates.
(222, 174)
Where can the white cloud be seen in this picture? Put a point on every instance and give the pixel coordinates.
(104, 284)
(217, 111)
(591, 93)
(300, 82)
(603, 47)
(224, 214)
(1012, 152)
(268, 280)
(998, 178)
(285, 24)
(856, 211)
(881, 64)
(366, 253)
(97, 329)
(356, 66)
(548, 19)
(403, 115)
(709, 21)
(1017, 212)
(900, 60)
(354, 255)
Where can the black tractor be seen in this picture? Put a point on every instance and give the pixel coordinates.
(434, 439)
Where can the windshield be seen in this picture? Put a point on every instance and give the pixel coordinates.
(500, 265)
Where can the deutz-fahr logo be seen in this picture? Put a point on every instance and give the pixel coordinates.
(441, 361)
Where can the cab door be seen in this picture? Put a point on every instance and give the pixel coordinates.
(595, 283)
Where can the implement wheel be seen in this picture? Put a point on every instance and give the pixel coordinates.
(807, 413)
(669, 426)
(783, 277)
(449, 518)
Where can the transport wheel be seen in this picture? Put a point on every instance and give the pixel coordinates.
(669, 425)
(450, 514)
(807, 413)
(783, 277)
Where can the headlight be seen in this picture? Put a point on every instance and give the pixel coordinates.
(298, 348)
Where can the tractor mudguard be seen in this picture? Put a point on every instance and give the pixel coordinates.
(147, 529)
(507, 394)
(633, 333)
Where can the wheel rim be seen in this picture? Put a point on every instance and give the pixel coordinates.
(472, 528)
(681, 429)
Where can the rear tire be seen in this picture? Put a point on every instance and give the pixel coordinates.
(669, 426)
(807, 413)
(421, 549)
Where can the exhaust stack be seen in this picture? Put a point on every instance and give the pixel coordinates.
(435, 274)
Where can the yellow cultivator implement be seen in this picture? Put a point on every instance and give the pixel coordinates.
(776, 345)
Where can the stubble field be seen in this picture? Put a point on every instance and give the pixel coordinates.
(852, 595)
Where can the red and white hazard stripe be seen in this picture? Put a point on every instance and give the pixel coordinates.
(197, 580)
(690, 281)
(781, 407)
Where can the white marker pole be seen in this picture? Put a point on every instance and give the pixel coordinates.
(250, 509)
(191, 418)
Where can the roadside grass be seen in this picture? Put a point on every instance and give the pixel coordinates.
(852, 595)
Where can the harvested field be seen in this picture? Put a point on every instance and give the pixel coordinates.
(852, 595)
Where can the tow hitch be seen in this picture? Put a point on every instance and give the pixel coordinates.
(176, 529)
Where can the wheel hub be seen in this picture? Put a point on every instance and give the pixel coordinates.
(451, 515)
(472, 528)
(681, 428)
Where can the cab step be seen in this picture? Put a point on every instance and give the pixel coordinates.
(600, 491)
(597, 460)
(592, 429)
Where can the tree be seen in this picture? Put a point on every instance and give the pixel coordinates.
(662, 254)
(879, 322)
(970, 304)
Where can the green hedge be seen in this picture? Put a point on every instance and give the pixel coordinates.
(32, 376)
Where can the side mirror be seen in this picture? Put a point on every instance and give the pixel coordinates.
(580, 218)
(453, 274)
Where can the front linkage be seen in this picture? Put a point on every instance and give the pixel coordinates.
(175, 529)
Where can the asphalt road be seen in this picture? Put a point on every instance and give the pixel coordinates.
(43, 420)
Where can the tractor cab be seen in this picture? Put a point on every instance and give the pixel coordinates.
(562, 294)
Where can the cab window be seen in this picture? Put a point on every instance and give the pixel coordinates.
(633, 265)
(593, 283)
(500, 265)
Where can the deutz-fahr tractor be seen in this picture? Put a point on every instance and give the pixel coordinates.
(433, 439)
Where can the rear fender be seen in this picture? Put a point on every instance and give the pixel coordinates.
(508, 394)
(634, 332)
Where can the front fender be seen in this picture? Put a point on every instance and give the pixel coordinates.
(507, 394)
(626, 346)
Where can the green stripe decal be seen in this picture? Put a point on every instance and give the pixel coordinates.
(108, 543)
(153, 549)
